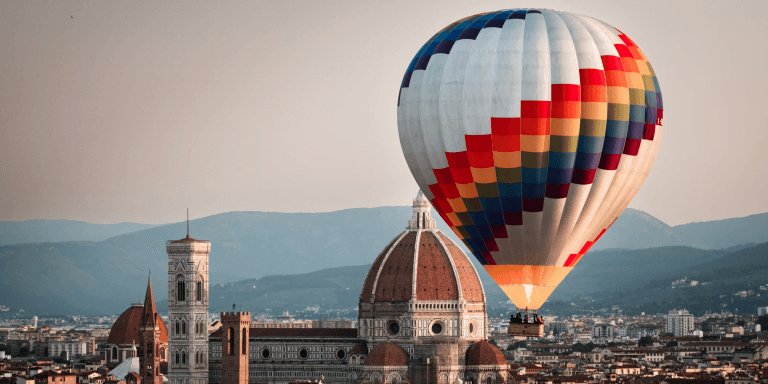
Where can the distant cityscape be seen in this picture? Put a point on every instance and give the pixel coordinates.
(392, 333)
(578, 349)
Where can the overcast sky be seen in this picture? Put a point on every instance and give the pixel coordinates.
(133, 111)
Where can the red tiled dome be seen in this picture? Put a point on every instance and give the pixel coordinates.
(442, 270)
(387, 354)
(485, 353)
(126, 328)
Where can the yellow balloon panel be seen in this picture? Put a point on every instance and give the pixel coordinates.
(527, 296)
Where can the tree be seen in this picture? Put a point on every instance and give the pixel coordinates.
(672, 344)
(645, 341)
(516, 345)
(763, 321)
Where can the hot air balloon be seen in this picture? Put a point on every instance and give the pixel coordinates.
(530, 131)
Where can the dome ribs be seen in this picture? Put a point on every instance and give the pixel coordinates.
(435, 279)
(471, 289)
(370, 279)
(395, 278)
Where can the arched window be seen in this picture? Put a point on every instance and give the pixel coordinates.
(177, 357)
(488, 380)
(231, 339)
(114, 353)
(177, 328)
(183, 357)
(181, 290)
(199, 290)
(245, 341)
(183, 327)
(197, 357)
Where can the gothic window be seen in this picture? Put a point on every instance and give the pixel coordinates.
(177, 328)
(245, 341)
(231, 339)
(181, 290)
(183, 327)
(199, 290)
(183, 357)
(488, 380)
(177, 357)
(114, 353)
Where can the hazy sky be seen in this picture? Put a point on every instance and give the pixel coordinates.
(119, 111)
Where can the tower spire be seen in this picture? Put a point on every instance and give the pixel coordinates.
(150, 311)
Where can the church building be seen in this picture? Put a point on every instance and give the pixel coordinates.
(422, 319)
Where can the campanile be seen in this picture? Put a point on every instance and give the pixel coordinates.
(188, 310)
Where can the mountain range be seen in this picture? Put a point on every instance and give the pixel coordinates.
(94, 275)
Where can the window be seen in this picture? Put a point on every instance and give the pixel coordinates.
(199, 290)
(183, 327)
(245, 341)
(181, 290)
(114, 353)
(488, 380)
(183, 357)
(231, 334)
(177, 328)
(177, 357)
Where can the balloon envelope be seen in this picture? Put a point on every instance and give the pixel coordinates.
(530, 131)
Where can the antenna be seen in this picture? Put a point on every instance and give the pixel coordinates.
(187, 222)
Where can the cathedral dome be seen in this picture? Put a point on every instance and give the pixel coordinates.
(387, 354)
(126, 327)
(485, 353)
(422, 263)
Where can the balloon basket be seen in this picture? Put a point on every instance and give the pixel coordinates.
(526, 330)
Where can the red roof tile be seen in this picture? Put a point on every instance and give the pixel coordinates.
(126, 328)
(391, 280)
(485, 353)
(188, 240)
(359, 349)
(387, 354)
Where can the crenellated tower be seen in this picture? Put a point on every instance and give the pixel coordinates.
(188, 310)
(234, 347)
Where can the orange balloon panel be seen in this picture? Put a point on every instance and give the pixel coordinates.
(528, 286)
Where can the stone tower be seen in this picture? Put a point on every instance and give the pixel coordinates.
(149, 340)
(234, 347)
(188, 310)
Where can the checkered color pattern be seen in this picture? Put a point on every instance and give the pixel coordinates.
(530, 131)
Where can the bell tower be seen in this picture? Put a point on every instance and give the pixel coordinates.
(188, 310)
(149, 340)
